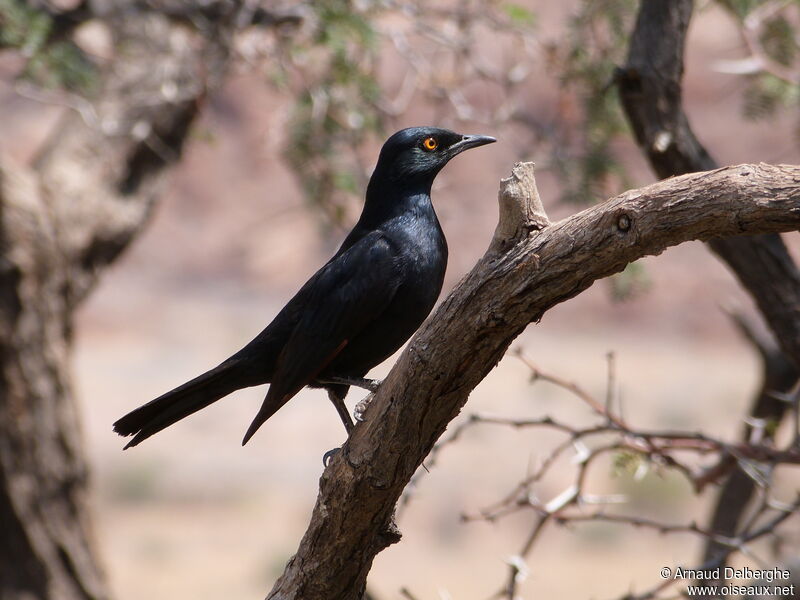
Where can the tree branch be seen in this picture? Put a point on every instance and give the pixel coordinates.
(472, 328)
(650, 90)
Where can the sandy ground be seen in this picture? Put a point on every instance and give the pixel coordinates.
(192, 514)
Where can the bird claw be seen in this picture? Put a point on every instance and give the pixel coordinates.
(372, 385)
(329, 456)
(361, 407)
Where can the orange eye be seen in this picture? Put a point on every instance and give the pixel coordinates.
(430, 144)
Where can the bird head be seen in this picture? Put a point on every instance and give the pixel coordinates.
(417, 154)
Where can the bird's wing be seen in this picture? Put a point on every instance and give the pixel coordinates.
(348, 293)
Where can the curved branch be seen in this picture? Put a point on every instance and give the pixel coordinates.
(472, 328)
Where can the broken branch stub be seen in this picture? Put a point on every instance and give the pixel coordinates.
(521, 209)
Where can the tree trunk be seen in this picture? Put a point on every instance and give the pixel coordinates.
(61, 221)
(650, 91)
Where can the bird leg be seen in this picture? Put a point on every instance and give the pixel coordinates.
(341, 408)
(344, 415)
(370, 385)
(338, 402)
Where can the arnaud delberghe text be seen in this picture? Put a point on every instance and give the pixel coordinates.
(769, 575)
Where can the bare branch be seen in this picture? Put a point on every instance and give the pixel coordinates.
(756, 460)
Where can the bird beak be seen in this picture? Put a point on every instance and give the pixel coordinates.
(470, 141)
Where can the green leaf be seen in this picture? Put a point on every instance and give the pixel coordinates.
(585, 62)
(345, 181)
(778, 40)
(520, 15)
(626, 462)
(766, 94)
(739, 8)
(630, 283)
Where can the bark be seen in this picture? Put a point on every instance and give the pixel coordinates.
(62, 220)
(514, 284)
(650, 91)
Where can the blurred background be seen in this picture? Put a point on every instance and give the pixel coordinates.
(253, 208)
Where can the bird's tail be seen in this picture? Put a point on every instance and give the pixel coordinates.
(183, 401)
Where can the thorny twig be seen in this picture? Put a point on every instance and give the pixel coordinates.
(682, 451)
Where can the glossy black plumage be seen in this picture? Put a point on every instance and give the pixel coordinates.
(353, 313)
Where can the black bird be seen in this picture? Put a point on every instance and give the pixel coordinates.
(356, 311)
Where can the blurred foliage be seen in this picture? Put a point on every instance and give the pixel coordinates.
(331, 67)
(766, 93)
(648, 485)
(51, 61)
(626, 462)
(656, 491)
(585, 62)
(740, 8)
(519, 15)
(336, 107)
(597, 42)
(770, 30)
(630, 283)
(778, 40)
(329, 64)
(325, 56)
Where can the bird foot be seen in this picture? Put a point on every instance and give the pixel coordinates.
(361, 407)
(374, 385)
(370, 385)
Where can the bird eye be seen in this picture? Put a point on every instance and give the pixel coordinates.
(430, 144)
